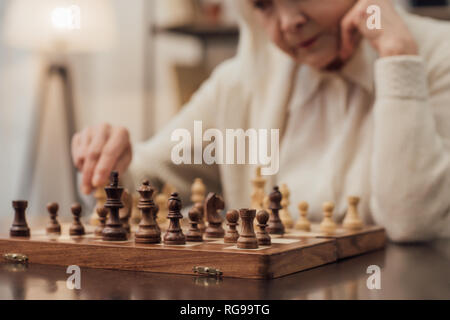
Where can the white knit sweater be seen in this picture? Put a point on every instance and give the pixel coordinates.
(379, 129)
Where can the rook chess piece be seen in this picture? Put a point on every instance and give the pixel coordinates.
(275, 224)
(247, 238)
(148, 231)
(303, 222)
(174, 234)
(352, 220)
(262, 235)
(213, 204)
(20, 226)
(102, 214)
(328, 226)
(53, 227)
(194, 234)
(285, 215)
(113, 230)
(232, 235)
(76, 229)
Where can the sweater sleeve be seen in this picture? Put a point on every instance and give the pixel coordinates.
(153, 159)
(411, 158)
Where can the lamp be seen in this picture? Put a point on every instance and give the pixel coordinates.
(54, 29)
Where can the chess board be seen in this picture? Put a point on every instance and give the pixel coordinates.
(293, 252)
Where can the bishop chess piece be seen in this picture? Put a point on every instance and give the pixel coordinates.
(232, 235)
(194, 234)
(113, 230)
(247, 238)
(148, 231)
(76, 229)
(303, 222)
(53, 226)
(258, 194)
(19, 227)
(125, 212)
(214, 204)
(262, 235)
(352, 221)
(328, 226)
(285, 214)
(102, 214)
(174, 234)
(275, 224)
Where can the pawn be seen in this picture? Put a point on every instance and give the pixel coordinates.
(303, 222)
(352, 220)
(20, 226)
(102, 213)
(174, 234)
(232, 235)
(194, 234)
(262, 235)
(327, 225)
(76, 229)
(247, 238)
(53, 227)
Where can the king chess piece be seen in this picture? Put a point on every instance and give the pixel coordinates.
(113, 230)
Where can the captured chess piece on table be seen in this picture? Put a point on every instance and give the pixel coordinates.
(53, 226)
(285, 214)
(275, 224)
(113, 230)
(174, 234)
(328, 226)
(194, 233)
(213, 205)
(247, 238)
(77, 228)
(232, 235)
(352, 221)
(303, 222)
(262, 235)
(20, 226)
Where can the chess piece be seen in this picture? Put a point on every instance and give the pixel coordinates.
(100, 200)
(102, 214)
(262, 235)
(285, 215)
(198, 190)
(232, 235)
(174, 234)
(53, 227)
(247, 238)
(328, 226)
(194, 234)
(275, 224)
(135, 212)
(213, 204)
(201, 208)
(161, 201)
(148, 231)
(76, 229)
(303, 222)
(19, 227)
(125, 212)
(352, 220)
(258, 194)
(113, 230)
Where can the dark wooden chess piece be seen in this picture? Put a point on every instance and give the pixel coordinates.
(194, 234)
(113, 230)
(213, 204)
(232, 235)
(247, 238)
(262, 235)
(174, 234)
(275, 224)
(76, 229)
(53, 226)
(19, 227)
(148, 231)
(201, 208)
(102, 214)
(125, 212)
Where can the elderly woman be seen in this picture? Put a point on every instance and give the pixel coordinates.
(360, 111)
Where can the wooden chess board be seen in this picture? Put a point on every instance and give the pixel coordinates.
(295, 251)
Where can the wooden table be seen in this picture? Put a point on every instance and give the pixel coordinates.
(407, 272)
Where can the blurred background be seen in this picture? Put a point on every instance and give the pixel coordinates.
(68, 64)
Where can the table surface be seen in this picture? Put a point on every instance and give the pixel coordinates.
(407, 272)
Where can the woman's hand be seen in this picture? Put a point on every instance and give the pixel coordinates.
(99, 150)
(392, 39)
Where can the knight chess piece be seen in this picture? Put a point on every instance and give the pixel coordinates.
(174, 234)
(303, 222)
(19, 227)
(275, 224)
(247, 238)
(352, 221)
(232, 235)
(328, 226)
(194, 234)
(262, 235)
(214, 204)
(148, 231)
(102, 214)
(77, 228)
(113, 230)
(53, 226)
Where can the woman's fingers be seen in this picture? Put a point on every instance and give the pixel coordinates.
(124, 161)
(76, 155)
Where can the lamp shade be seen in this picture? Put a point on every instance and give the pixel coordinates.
(69, 26)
